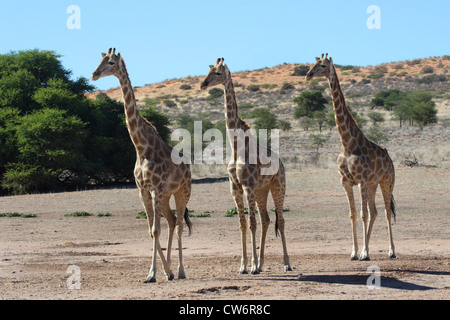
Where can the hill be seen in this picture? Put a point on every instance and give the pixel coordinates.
(276, 88)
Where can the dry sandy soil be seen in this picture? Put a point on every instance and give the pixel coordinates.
(113, 253)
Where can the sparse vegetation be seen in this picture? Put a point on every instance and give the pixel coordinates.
(78, 214)
(17, 214)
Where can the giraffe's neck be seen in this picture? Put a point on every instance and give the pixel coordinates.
(134, 120)
(346, 125)
(231, 110)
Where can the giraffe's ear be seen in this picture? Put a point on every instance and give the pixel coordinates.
(103, 54)
(331, 60)
(211, 66)
(317, 58)
(118, 56)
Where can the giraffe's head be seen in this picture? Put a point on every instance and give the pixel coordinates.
(215, 76)
(321, 68)
(108, 66)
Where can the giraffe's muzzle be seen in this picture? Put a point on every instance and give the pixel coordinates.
(204, 85)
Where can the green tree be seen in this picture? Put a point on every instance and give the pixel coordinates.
(320, 118)
(387, 99)
(309, 102)
(49, 143)
(317, 141)
(158, 119)
(376, 117)
(284, 125)
(264, 119)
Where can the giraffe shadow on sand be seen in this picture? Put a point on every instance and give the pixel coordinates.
(361, 280)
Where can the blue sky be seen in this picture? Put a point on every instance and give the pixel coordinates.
(164, 39)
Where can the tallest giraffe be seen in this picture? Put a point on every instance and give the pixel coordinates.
(361, 162)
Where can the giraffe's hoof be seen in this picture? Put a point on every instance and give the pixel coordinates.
(287, 268)
(353, 258)
(182, 276)
(392, 256)
(364, 258)
(256, 271)
(150, 280)
(243, 272)
(169, 277)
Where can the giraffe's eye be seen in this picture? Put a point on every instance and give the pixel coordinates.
(111, 63)
(218, 73)
(323, 66)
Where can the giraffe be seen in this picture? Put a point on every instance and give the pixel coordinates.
(157, 177)
(248, 177)
(360, 162)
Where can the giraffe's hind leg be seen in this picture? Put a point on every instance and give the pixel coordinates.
(261, 201)
(278, 193)
(389, 204)
(250, 194)
(181, 200)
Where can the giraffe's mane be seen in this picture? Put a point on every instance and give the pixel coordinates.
(134, 99)
(343, 99)
(243, 123)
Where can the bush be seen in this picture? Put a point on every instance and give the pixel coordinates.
(159, 120)
(376, 117)
(49, 142)
(376, 135)
(300, 70)
(253, 87)
(215, 93)
(287, 86)
(309, 102)
(52, 137)
(427, 69)
(185, 87)
(284, 125)
(170, 103)
(378, 72)
(431, 78)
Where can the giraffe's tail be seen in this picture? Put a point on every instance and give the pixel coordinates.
(276, 223)
(393, 207)
(188, 220)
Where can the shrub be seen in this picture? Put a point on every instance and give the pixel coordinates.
(427, 69)
(284, 125)
(378, 72)
(170, 103)
(185, 87)
(376, 117)
(300, 70)
(253, 87)
(428, 79)
(375, 134)
(215, 93)
(309, 102)
(287, 86)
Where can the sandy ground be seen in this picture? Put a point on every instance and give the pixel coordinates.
(113, 253)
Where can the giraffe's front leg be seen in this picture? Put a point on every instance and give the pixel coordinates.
(364, 189)
(348, 187)
(251, 200)
(156, 231)
(238, 196)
